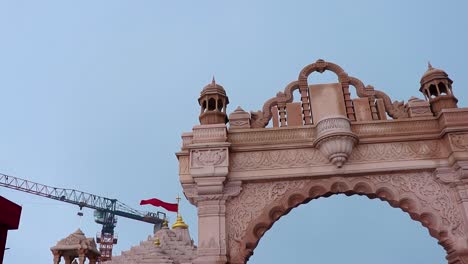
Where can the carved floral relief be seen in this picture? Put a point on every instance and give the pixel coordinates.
(208, 157)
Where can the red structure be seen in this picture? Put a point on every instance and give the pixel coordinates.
(9, 219)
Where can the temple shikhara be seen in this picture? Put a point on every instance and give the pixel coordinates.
(245, 170)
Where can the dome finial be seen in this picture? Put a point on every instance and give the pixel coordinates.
(179, 223)
(213, 81)
(429, 65)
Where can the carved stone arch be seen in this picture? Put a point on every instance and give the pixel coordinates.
(321, 66)
(419, 194)
(243, 178)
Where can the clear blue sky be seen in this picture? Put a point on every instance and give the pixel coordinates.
(95, 96)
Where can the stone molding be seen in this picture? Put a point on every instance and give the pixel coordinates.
(362, 153)
(230, 189)
(209, 134)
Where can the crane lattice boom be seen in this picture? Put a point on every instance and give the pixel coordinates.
(105, 209)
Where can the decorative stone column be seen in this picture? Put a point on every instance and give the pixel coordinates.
(68, 260)
(82, 256)
(57, 256)
(209, 190)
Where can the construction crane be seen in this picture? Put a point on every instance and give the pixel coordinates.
(105, 209)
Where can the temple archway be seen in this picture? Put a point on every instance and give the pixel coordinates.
(243, 177)
(262, 204)
(353, 229)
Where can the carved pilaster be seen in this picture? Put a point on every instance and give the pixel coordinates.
(82, 256)
(67, 259)
(209, 168)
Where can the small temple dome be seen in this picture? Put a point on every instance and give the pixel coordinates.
(214, 88)
(213, 101)
(436, 87)
(433, 74)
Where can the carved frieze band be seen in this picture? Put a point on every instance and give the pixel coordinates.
(273, 159)
(308, 134)
(399, 151)
(272, 136)
(208, 157)
(406, 126)
(419, 193)
(296, 158)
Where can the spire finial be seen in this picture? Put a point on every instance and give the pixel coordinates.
(213, 81)
(429, 66)
(178, 203)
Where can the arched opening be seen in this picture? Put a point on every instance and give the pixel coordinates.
(211, 104)
(320, 78)
(342, 229)
(442, 88)
(220, 105)
(399, 191)
(433, 91)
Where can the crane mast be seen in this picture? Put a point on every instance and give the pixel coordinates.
(105, 209)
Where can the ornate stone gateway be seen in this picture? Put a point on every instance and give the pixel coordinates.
(245, 176)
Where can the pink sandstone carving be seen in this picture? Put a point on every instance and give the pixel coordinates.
(245, 176)
(171, 246)
(245, 171)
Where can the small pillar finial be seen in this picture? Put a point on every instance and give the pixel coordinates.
(165, 223)
(157, 242)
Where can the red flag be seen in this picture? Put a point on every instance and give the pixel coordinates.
(156, 202)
